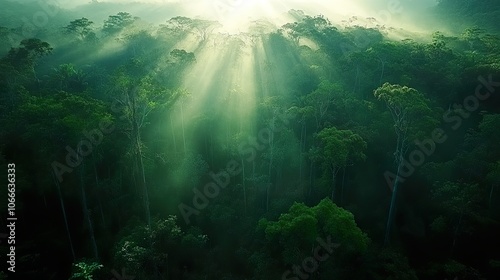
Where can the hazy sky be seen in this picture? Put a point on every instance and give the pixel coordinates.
(340, 5)
(237, 13)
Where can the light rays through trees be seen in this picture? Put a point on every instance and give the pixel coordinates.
(224, 140)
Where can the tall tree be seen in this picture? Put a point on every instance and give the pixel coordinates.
(411, 113)
(200, 27)
(338, 149)
(459, 203)
(320, 101)
(138, 97)
(85, 208)
(81, 27)
(118, 22)
(24, 59)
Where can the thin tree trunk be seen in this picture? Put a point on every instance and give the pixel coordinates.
(173, 132)
(228, 131)
(491, 194)
(334, 172)
(253, 170)
(244, 186)
(98, 192)
(455, 234)
(136, 138)
(136, 144)
(392, 208)
(211, 147)
(305, 136)
(279, 178)
(10, 92)
(356, 80)
(382, 74)
(143, 181)
(183, 131)
(64, 215)
(311, 178)
(35, 76)
(267, 196)
(86, 210)
(270, 168)
(300, 152)
(240, 120)
(342, 192)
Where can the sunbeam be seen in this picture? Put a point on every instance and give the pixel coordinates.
(239, 139)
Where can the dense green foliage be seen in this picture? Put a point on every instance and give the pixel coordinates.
(309, 150)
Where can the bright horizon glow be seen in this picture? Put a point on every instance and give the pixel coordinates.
(237, 15)
(234, 15)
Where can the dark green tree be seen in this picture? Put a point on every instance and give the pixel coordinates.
(293, 237)
(337, 150)
(412, 116)
(118, 22)
(81, 27)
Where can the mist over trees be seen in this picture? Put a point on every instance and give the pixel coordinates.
(321, 147)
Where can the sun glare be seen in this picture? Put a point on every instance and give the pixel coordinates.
(237, 15)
